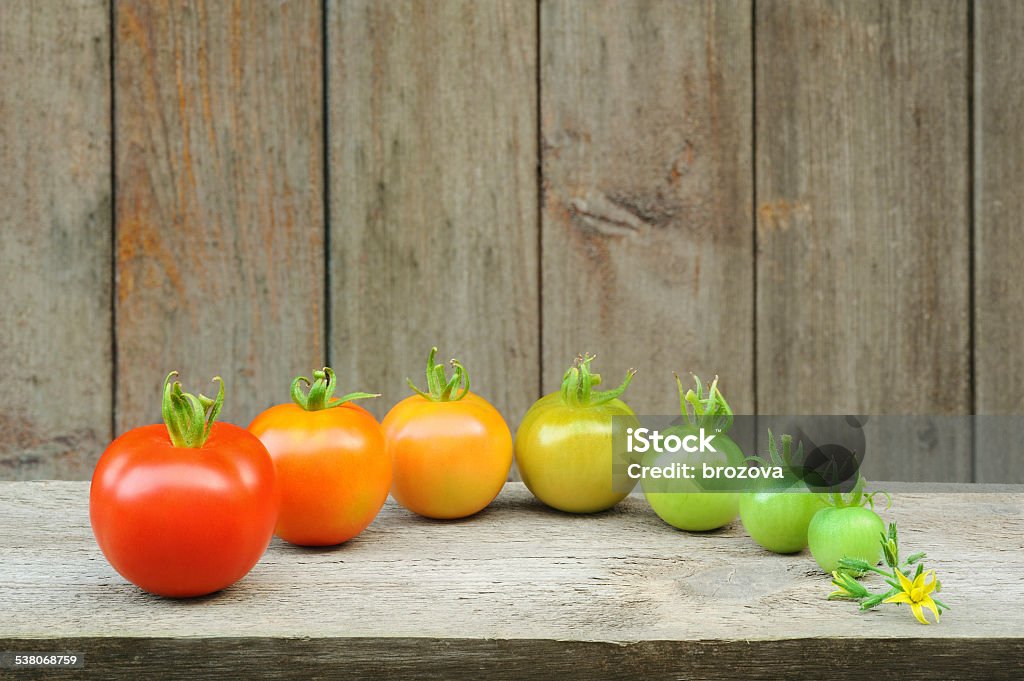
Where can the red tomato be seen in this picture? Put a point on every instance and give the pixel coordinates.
(331, 462)
(452, 450)
(183, 510)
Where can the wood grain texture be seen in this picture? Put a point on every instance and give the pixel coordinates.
(55, 216)
(219, 200)
(862, 220)
(433, 149)
(523, 588)
(998, 248)
(647, 229)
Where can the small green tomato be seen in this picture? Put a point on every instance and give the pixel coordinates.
(850, 532)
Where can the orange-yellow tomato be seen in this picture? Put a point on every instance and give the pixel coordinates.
(451, 458)
(332, 467)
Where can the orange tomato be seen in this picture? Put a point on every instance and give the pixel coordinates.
(332, 465)
(451, 449)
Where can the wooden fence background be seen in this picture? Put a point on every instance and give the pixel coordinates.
(818, 200)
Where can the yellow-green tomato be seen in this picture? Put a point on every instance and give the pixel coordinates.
(694, 503)
(565, 445)
(690, 504)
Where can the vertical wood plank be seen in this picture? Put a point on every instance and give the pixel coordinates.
(434, 194)
(999, 249)
(55, 214)
(219, 200)
(647, 228)
(862, 220)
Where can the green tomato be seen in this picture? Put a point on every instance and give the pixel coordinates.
(688, 504)
(849, 532)
(566, 456)
(778, 520)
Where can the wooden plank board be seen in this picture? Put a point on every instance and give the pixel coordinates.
(647, 250)
(433, 196)
(219, 212)
(862, 221)
(55, 215)
(986, 659)
(998, 251)
(543, 592)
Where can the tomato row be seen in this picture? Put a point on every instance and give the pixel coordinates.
(188, 507)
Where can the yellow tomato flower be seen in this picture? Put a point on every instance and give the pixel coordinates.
(917, 594)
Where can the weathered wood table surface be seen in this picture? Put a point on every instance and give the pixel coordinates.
(520, 590)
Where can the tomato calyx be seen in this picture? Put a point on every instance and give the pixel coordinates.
(857, 497)
(578, 384)
(441, 388)
(782, 458)
(189, 418)
(704, 408)
(321, 391)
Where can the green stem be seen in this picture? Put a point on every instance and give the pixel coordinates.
(189, 419)
(875, 600)
(578, 384)
(441, 387)
(884, 573)
(321, 391)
